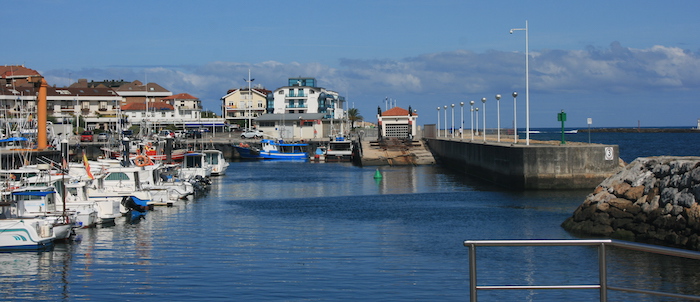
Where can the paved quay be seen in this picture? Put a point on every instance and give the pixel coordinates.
(539, 165)
(395, 154)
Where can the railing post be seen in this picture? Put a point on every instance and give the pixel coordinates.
(472, 272)
(603, 274)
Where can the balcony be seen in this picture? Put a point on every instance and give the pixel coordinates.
(296, 106)
(296, 95)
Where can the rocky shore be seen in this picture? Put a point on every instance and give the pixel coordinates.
(652, 199)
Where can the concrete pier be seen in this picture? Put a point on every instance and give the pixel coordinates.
(540, 165)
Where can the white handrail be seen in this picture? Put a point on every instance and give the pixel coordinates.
(602, 266)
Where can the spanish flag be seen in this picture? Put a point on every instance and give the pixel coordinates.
(87, 166)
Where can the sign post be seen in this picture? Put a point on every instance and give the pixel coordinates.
(562, 118)
(589, 121)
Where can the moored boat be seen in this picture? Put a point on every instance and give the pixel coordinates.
(278, 149)
(25, 234)
(339, 149)
(216, 160)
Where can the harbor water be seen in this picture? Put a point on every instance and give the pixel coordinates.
(296, 231)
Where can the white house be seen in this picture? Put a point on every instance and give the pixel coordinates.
(397, 122)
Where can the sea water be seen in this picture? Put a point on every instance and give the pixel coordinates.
(295, 231)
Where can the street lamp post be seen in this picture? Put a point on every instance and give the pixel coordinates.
(498, 111)
(461, 120)
(483, 100)
(527, 81)
(249, 103)
(515, 117)
(476, 113)
(471, 119)
(453, 121)
(438, 123)
(445, 121)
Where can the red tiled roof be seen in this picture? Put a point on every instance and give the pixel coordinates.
(397, 111)
(151, 106)
(180, 96)
(17, 70)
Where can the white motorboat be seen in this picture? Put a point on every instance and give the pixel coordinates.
(194, 165)
(40, 203)
(165, 187)
(111, 188)
(216, 160)
(339, 149)
(17, 234)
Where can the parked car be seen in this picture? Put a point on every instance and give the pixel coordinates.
(103, 137)
(163, 134)
(193, 134)
(86, 136)
(252, 134)
(180, 133)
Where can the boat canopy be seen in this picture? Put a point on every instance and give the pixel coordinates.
(13, 139)
(35, 193)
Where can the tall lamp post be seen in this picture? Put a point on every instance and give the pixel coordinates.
(476, 113)
(461, 120)
(527, 81)
(483, 100)
(515, 117)
(453, 120)
(471, 119)
(498, 114)
(249, 103)
(445, 121)
(438, 123)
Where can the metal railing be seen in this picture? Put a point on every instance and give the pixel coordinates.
(602, 266)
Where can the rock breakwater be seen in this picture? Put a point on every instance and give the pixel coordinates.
(653, 199)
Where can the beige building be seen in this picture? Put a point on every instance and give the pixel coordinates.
(240, 106)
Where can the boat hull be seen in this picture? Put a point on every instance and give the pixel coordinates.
(283, 156)
(247, 153)
(22, 235)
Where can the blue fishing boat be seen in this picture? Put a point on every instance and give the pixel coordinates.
(274, 149)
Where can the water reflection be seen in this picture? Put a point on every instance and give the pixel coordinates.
(300, 231)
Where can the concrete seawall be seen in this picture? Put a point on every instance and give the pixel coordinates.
(540, 165)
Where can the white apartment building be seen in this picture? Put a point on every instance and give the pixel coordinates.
(302, 95)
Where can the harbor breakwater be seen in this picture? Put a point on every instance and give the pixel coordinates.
(653, 200)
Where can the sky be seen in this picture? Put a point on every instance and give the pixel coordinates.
(619, 63)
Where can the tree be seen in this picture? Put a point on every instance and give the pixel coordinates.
(354, 115)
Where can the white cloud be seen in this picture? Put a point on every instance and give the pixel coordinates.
(424, 79)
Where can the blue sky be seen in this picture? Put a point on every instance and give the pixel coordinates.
(618, 62)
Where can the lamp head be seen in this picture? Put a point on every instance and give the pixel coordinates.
(511, 31)
(483, 100)
(453, 105)
(471, 103)
(498, 97)
(515, 94)
(461, 103)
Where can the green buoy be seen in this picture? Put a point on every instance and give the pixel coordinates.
(377, 175)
